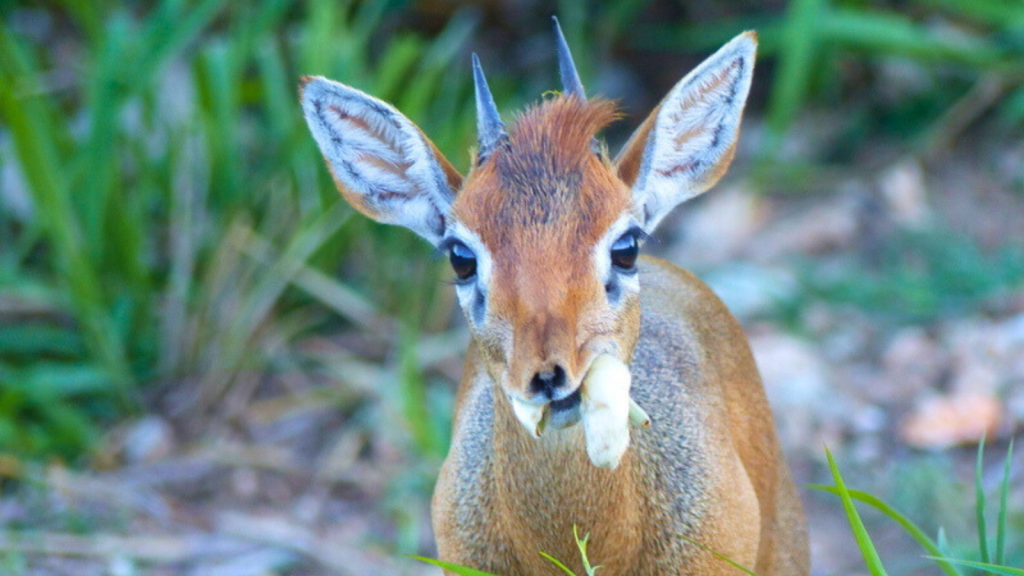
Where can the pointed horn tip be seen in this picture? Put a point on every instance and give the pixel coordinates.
(490, 128)
(558, 30)
(479, 78)
(566, 67)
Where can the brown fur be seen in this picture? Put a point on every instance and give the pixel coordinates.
(709, 468)
(534, 203)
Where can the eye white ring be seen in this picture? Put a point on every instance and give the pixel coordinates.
(603, 249)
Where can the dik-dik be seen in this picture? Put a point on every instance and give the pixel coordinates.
(543, 236)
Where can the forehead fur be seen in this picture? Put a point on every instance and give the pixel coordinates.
(548, 152)
(547, 175)
(554, 135)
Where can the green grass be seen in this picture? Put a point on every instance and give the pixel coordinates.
(811, 38)
(132, 264)
(920, 277)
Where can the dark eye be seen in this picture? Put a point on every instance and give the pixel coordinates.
(624, 252)
(463, 261)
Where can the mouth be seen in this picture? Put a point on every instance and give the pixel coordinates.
(570, 402)
(602, 402)
(566, 412)
(557, 414)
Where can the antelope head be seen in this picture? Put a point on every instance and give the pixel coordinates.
(544, 232)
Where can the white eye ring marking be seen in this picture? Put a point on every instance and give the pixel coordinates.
(472, 293)
(606, 272)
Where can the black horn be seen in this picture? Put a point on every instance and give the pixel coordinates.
(490, 129)
(570, 78)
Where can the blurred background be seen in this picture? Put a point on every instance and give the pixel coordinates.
(211, 365)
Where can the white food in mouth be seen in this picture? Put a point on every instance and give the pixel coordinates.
(638, 415)
(606, 410)
(532, 416)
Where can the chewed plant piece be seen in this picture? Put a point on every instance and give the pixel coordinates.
(532, 416)
(638, 415)
(605, 410)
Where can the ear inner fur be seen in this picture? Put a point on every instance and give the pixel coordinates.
(688, 141)
(381, 162)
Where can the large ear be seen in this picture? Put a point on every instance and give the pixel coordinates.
(688, 141)
(381, 162)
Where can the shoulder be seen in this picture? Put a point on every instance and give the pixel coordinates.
(665, 286)
(682, 321)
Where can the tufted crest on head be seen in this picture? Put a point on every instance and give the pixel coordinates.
(560, 129)
(547, 173)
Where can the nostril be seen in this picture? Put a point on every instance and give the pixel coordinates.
(547, 381)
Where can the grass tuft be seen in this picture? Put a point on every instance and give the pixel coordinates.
(461, 570)
(979, 503)
(908, 526)
(860, 533)
(1003, 493)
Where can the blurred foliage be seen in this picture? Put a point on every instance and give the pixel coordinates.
(813, 42)
(166, 219)
(148, 161)
(921, 276)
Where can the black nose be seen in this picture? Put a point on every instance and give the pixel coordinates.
(547, 382)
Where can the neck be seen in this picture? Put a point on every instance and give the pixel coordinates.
(548, 485)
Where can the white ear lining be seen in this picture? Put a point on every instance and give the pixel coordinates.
(384, 161)
(695, 130)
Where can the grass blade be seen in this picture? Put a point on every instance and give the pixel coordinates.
(942, 542)
(97, 154)
(168, 32)
(1001, 13)
(990, 568)
(798, 48)
(719, 555)
(34, 138)
(867, 547)
(462, 570)
(877, 32)
(555, 561)
(908, 526)
(219, 78)
(581, 543)
(412, 391)
(1001, 525)
(979, 503)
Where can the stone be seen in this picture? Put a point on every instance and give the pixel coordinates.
(148, 439)
(951, 420)
(905, 194)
